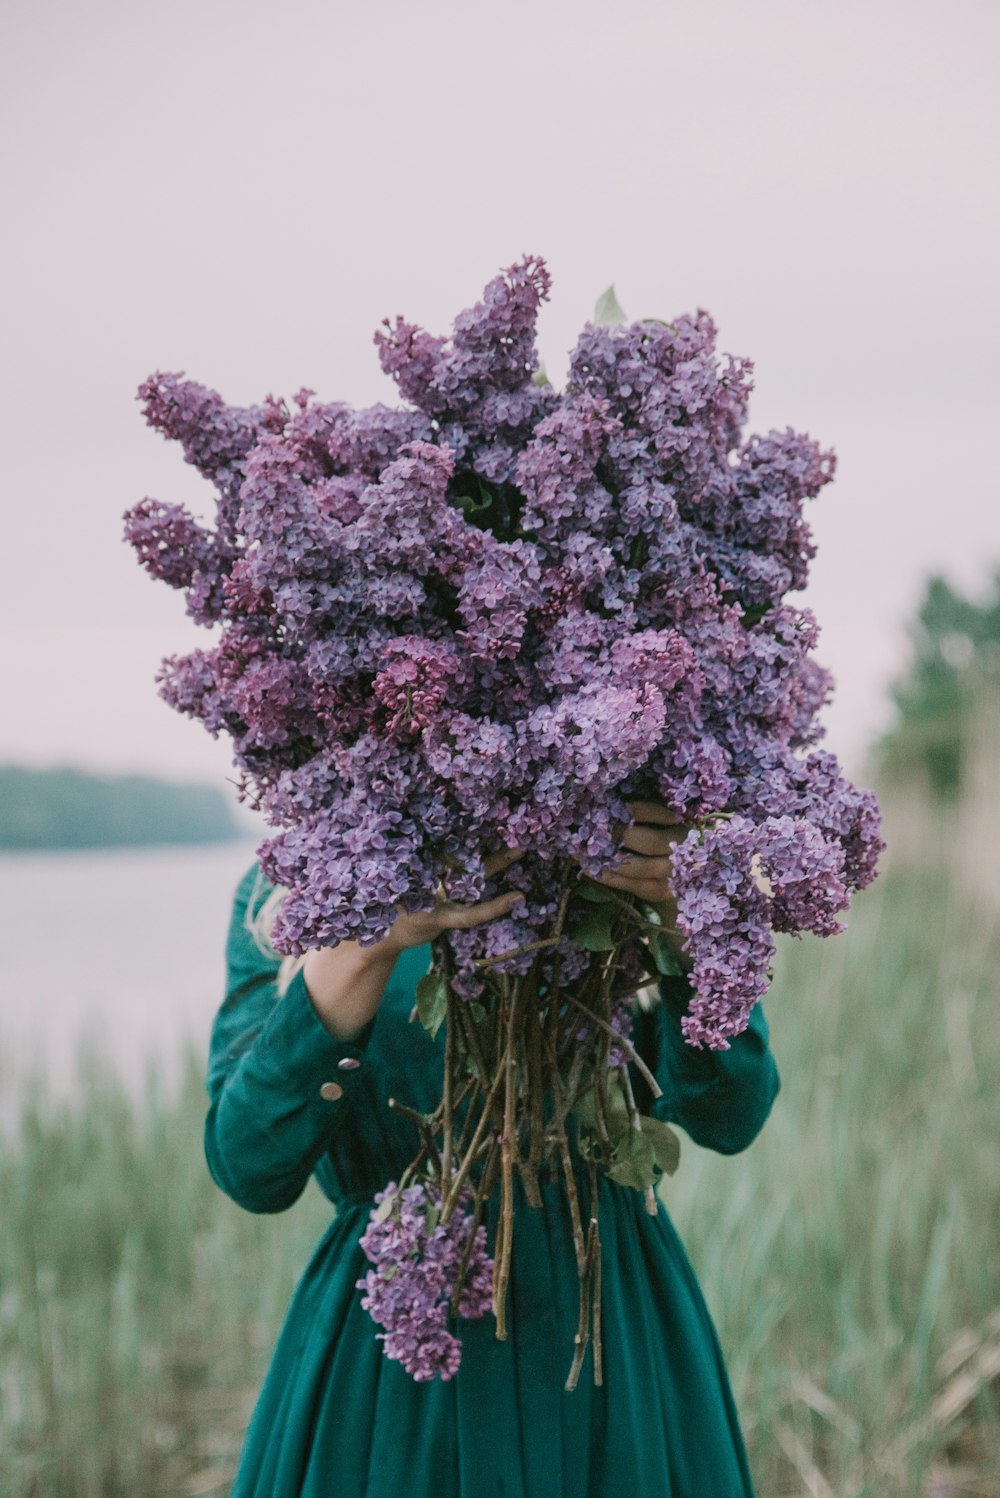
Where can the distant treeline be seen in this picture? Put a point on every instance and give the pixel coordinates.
(952, 674)
(67, 808)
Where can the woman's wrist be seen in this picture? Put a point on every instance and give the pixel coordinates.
(346, 984)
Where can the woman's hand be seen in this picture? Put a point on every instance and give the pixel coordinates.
(346, 983)
(413, 930)
(647, 872)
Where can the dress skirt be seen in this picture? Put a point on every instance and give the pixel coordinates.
(335, 1418)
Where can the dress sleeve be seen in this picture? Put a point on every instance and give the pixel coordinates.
(268, 1123)
(720, 1098)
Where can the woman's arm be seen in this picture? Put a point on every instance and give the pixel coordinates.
(720, 1098)
(280, 1082)
(284, 1074)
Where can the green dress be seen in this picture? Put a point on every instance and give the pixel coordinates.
(335, 1418)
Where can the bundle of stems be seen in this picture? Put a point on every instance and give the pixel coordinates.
(515, 1068)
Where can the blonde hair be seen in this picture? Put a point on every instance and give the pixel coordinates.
(259, 923)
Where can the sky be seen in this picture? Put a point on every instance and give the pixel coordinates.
(243, 192)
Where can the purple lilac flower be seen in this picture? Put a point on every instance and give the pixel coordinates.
(488, 616)
(215, 438)
(727, 910)
(492, 348)
(416, 1260)
(416, 677)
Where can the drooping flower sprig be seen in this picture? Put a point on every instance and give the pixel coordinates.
(491, 617)
(417, 1259)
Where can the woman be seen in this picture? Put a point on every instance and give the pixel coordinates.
(299, 1083)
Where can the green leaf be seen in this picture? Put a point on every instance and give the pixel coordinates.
(471, 504)
(619, 1125)
(483, 1024)
(432, 1002)
(607, 312)
(598, 894)
(667, 960)
(585, 1109)
(431, 1216)
(540, 377)
(665, 1143)
(384, 1208)
(640, 1151)
(639, 1156)
(635, 1162)
(617, 1104)
(593, 930)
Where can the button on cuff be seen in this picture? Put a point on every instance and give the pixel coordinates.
(303, 1053)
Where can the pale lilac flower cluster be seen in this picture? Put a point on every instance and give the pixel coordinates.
(416, 1259)
(738, 882)
(490, 616)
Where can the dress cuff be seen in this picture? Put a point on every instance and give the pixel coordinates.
(301, 1051)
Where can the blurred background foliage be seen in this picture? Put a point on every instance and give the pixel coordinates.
(955, 662)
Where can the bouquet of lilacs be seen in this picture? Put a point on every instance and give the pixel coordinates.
(487, 618)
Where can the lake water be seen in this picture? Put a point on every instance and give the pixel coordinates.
(122, 947)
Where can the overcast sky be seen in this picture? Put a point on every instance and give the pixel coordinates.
(243, 191)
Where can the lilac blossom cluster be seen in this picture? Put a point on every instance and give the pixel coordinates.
(490, 616)
(417, 1259)
(739, 882)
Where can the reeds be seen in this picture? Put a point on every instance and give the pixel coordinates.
(138, 1304)
(850, 1257)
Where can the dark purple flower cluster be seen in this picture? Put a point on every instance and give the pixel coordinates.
(489, 617)
(417, 1259)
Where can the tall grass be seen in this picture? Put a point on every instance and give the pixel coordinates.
(137, 1303)
(850, 1256)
